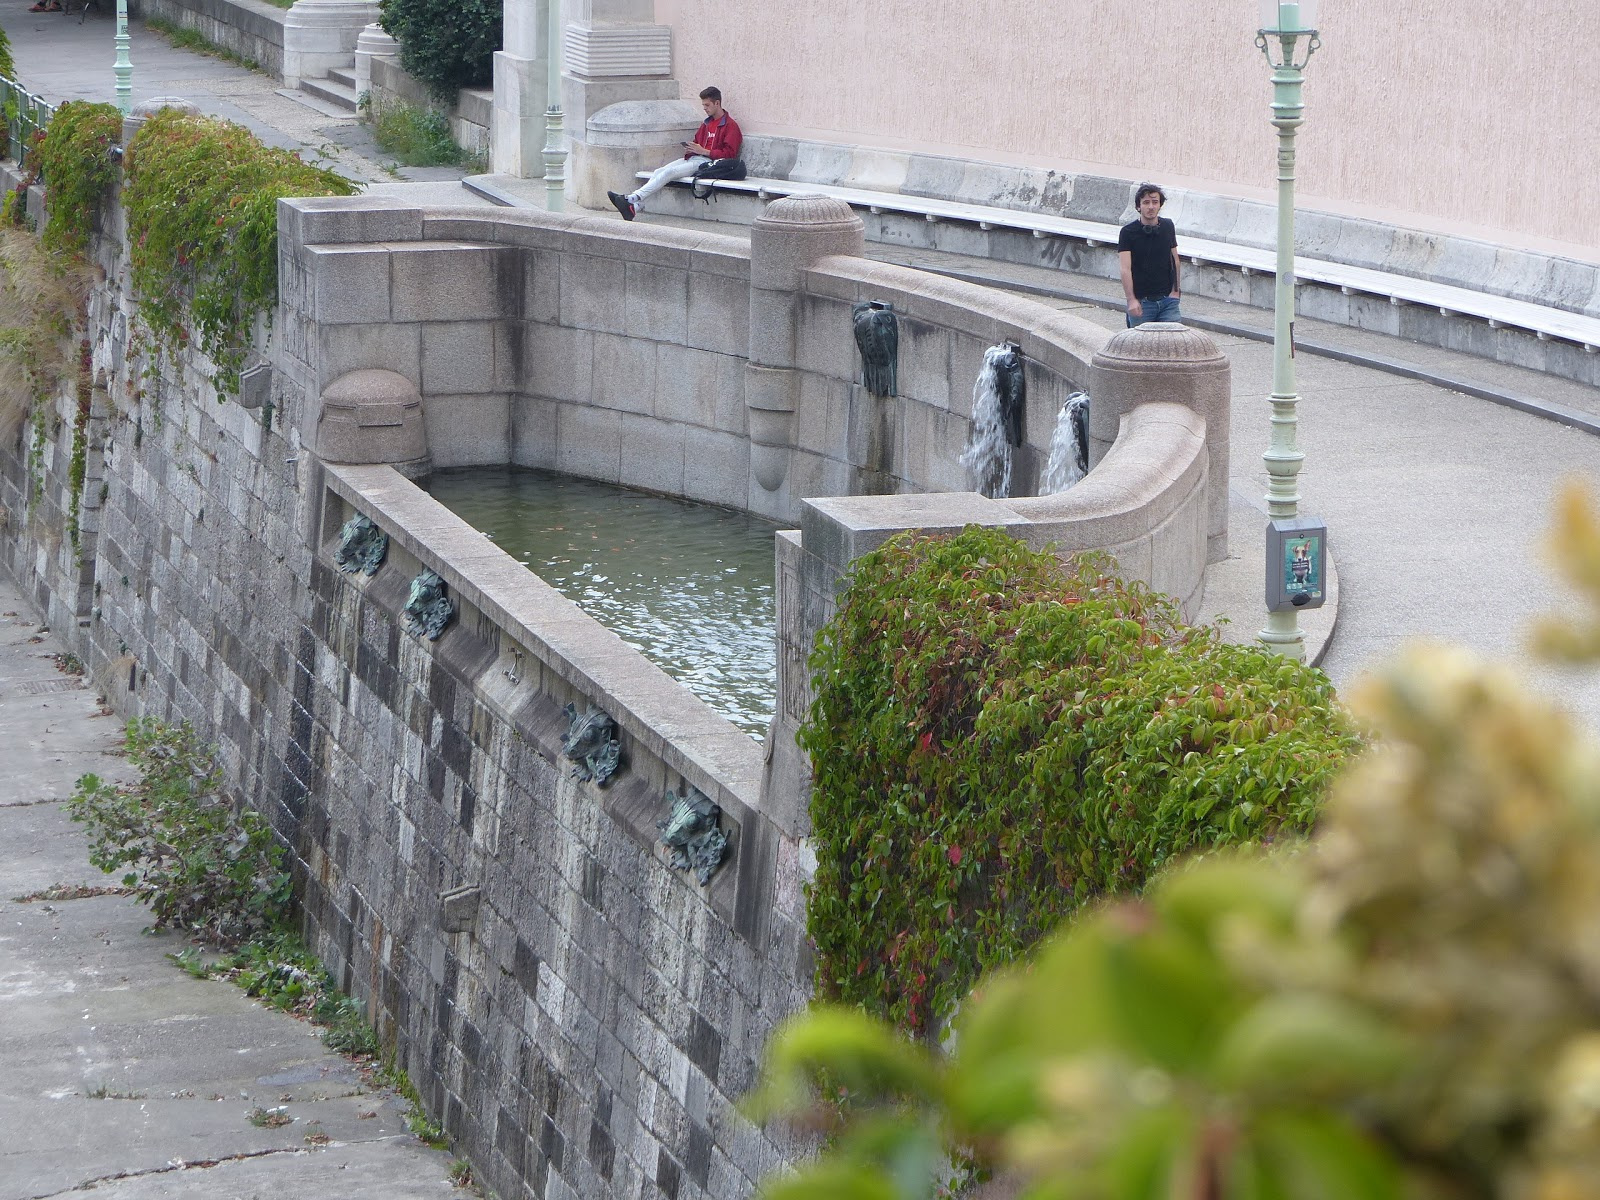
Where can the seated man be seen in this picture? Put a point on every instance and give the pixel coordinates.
(718, 137)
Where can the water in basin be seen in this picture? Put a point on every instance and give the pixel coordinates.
(688, 585)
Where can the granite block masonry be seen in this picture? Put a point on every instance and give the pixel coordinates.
(580, 1016)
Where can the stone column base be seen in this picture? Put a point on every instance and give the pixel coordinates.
(320, 35)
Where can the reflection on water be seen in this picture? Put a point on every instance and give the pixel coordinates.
(688, 585)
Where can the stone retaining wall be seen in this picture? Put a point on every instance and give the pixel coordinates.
(469, 117)
(579, 1016)
(252, 29)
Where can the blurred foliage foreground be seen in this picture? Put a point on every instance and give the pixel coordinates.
(1409, 1006)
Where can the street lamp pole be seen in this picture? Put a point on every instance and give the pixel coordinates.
(123, 68)
(1287, 37)
(555, 150)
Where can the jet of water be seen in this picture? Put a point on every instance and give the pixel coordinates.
(1069, 447)
(987, 457)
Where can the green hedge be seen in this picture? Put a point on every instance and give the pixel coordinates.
(999, 737)
(76, 165)
(445, 44)
(202, 204)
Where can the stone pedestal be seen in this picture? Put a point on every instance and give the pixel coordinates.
(371, 416)
(517, 128)
(146, 109)
(623, 139)
(321, 35)
(1162, 360)
(371, 43)
(785, 239)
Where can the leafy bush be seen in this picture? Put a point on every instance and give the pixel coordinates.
(1409, 1007)
(7, 67)
(202, 864)
(444, 44)
(417, 137)
(998, 738)
(76, 165)
(202, 206)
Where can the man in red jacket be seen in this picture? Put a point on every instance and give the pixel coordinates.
(718, 137)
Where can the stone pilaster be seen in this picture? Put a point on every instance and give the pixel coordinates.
(785, 239)
(1164, 361)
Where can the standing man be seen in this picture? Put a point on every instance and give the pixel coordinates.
(1148, 253)
(718, 138)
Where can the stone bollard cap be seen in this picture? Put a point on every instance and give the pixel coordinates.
(371, 415)
(150, 107)
(808, 212)
(1160, 342)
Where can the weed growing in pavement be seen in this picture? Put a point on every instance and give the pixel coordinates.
(417, 1120)
(105, 1091)
(268, 1118)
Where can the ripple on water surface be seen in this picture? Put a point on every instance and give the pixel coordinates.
(688, 585)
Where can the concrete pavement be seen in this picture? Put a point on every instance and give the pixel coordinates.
(123, 1073)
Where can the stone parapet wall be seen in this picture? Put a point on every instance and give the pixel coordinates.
(252, 29)
(586, 1030)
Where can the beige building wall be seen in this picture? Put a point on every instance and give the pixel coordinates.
(1465, 116)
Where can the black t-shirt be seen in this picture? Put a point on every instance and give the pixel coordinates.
(1151, 249)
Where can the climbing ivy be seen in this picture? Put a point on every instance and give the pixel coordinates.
(202, 206)
(76, 164)
(998, 737)
(77, 469)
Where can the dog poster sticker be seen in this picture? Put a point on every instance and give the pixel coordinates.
(1302, 566)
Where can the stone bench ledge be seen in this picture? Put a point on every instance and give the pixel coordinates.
(1541, 320)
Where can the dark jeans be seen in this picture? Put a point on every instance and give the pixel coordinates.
(1156, 308)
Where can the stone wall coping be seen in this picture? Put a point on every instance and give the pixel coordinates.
(255, 17)
(334, 220)
(1549, 296)
(1059, 340)
(655, 711)
(1155, 464)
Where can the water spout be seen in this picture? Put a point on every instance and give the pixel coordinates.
(1069, 447)
(997, 403)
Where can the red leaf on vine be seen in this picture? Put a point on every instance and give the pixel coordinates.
(954, 855)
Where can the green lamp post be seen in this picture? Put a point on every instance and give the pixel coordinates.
(1287, 36)
(122, 70)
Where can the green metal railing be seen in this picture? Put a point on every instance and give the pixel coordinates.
(25, 115)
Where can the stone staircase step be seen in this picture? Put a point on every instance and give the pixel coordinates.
(331, 90)
(344, 75)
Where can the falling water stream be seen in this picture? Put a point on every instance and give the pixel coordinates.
(688, 585)
(1069, 447)
(987, 456)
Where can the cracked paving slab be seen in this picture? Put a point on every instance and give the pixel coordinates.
(121, 1074)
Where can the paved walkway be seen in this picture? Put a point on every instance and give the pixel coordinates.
(122, 1073)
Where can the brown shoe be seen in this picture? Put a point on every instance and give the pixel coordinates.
(623, 205)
